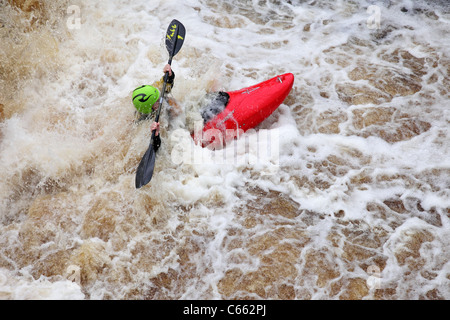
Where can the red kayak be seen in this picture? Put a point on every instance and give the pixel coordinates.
(246, 108)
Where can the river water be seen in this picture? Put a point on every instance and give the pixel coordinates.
(352, 202)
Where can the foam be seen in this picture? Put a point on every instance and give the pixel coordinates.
(26, 288)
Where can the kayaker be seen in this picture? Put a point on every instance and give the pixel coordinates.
(146, 100)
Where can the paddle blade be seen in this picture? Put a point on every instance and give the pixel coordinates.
(175, 37)
(144, 171)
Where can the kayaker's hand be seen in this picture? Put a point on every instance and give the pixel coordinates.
(155, 126)
(168, 68)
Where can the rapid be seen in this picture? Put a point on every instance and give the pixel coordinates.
(354, 204)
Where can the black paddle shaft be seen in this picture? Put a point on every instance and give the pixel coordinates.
(174, 40)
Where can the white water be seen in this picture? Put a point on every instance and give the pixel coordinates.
(356, 207)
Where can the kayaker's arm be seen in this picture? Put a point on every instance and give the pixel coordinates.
(156, 143)
(171, 78)
(157, 140)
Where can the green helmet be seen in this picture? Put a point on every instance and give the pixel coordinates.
(144, 98)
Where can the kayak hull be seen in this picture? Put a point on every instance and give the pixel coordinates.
(246, 108)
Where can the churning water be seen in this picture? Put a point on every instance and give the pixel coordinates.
(356, 205)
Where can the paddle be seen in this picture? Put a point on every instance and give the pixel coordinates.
(174, 40)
